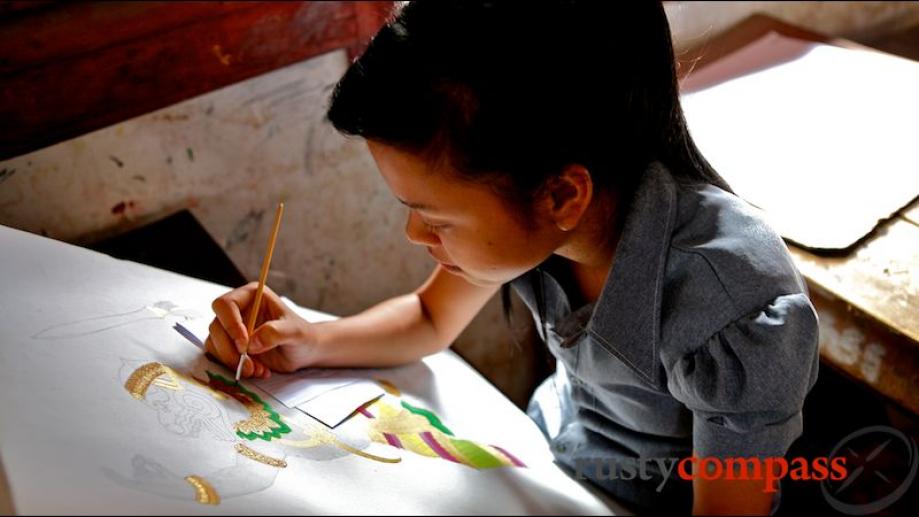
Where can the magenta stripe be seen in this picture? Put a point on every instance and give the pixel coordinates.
(432, 443)
(363, 411)
(392, 440)
(514, 460)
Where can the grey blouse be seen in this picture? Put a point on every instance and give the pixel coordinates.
(703, 339)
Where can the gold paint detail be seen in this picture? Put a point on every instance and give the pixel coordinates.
(263, 422)
(244, 450)
(151, 373)
(204, 491)
(259, 420)
(389, 387)
(320, 436)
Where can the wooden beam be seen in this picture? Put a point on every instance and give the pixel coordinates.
(71, 68)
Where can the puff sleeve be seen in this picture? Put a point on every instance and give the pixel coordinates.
(746, 384)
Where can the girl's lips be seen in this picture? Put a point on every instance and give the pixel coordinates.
(448, 267)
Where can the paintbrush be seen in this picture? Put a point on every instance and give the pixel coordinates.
(253, 313)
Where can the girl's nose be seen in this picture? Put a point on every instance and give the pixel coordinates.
(419, 233)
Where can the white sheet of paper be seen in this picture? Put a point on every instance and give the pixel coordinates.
(334, 406)
(295, 389)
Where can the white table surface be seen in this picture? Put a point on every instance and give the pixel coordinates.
(73, 325)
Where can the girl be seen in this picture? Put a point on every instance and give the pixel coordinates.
(542, 146)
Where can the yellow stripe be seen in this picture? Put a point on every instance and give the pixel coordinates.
(414, 443)
(386, 411)
(497, 454)
(447, 444)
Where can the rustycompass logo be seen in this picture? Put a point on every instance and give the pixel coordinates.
(882, 464)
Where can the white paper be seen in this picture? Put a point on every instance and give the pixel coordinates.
(334, 406)
(295, 389)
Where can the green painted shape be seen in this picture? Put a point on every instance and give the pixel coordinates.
(475, 455)
(275, 432)
(432, 418)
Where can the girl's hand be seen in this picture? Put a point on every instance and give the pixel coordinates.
(282, 340)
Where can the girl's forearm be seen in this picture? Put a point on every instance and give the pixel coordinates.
(391, 333)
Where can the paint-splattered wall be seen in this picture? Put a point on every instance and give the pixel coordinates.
(229, 155)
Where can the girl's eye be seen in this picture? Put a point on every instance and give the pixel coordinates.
(436, 227)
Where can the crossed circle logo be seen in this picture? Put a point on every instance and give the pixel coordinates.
(882, 464)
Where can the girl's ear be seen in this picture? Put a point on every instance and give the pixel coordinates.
(567, 196)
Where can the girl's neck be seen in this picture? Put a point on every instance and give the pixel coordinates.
(591, 248)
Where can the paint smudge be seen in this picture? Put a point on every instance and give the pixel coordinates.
(223, 58)
(169, 117)
(115, 159)
(120, 208)
(244, 228)
(6, 174)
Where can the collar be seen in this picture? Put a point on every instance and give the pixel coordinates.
(626, 319)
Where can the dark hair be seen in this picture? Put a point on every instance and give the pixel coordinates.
(511, 92)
